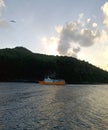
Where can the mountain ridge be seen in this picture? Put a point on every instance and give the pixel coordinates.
(21, 64)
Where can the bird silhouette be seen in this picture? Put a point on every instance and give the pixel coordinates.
(12, 21)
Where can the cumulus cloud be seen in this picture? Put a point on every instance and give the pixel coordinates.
(74, 35)
(79, 35)
(105, 12)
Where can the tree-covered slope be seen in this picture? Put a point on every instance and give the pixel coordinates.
(20, 64)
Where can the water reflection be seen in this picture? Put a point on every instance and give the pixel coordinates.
(50, 109)
(70, 107)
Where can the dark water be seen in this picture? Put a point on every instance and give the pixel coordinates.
(35, 107)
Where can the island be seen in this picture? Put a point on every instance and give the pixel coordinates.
(21, 65)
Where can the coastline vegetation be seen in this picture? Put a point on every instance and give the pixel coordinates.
(20, 64)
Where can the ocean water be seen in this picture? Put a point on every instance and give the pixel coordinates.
(30, 106)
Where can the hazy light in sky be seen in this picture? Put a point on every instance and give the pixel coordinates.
(74, 35)
(82, 33)
(105, 11)
(51, 44)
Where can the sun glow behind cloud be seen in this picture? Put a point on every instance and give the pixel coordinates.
(105, 12)
(72, 37)
(50, 45)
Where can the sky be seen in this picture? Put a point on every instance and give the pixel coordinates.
(75, 28)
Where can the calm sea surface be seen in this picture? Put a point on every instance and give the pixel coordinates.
(29, 106)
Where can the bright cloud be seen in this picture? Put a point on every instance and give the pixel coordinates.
(58, 28)
(74, 33)
(103, 37)
(78, 34)
(105, 11)
(2, 4)
(72, 36)
(50, 45)
(94, 25)
(104, 67)
(88, 20)
(105, 54)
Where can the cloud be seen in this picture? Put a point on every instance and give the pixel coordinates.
(81, 33)
(76, 50)
(103, 37)
(50, 44)
(58, 28)
(2, 4)
(77, 34)
(104, 67)
(73, 36)
(105, 12)
(94, 25)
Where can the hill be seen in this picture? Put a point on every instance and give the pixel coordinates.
(20, 64)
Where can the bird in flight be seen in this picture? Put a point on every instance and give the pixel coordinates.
(12, 21)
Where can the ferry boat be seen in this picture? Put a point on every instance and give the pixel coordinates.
(49, 81)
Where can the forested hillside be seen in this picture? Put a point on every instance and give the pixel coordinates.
(20, 64)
